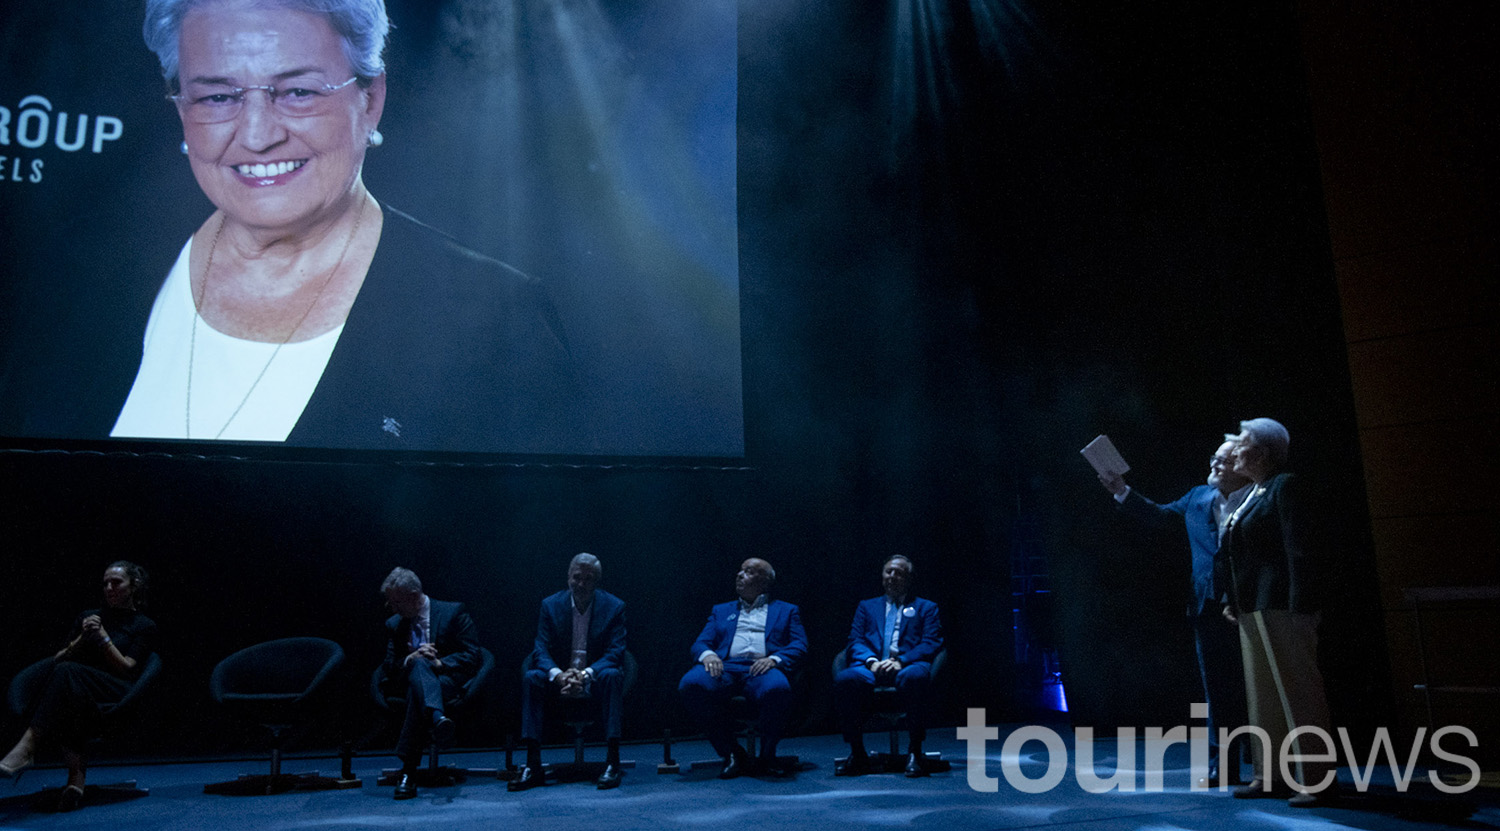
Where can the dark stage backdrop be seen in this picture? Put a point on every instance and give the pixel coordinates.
(972, 235)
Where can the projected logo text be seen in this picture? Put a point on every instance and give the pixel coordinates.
(34, 124)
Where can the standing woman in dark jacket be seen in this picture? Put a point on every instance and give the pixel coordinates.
(1276, 583)
(104, 653)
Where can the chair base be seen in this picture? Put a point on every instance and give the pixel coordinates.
(46, 799)
(562, 772)
(784, 764)
(266, 784)
(932, 762)
(442, 776)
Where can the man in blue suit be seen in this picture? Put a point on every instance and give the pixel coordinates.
(579, 653)
(892, 642)
(747, 647)
(1205, 511)
(432, 650)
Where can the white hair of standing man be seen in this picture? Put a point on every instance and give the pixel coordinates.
(1268, 433)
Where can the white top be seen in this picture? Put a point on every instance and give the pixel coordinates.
(224, 372)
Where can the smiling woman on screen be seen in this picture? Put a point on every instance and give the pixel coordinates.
(303, 310)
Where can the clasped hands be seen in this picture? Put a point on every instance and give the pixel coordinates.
(429, 653)
(714, 665)
(885, 669)
(572, 683)
(92, 632)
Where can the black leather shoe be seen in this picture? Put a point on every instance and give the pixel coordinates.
(528, 778)
(1321, 799)
(1256, 790)
(406, 786)
(774, 766)
(735, 766)
(442, 731)
(70, 798)
(610, 778)
(914, 767)
(852, 766)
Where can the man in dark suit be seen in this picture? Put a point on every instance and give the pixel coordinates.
(1205, 511)
(747, 647)
(432, 651)
(892, 642)
(579, 653)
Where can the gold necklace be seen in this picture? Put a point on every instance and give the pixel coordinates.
(198, 312)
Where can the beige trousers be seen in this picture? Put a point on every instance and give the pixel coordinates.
(1284, 691)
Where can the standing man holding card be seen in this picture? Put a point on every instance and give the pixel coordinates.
(1205, 512)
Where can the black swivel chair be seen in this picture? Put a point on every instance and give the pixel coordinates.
(468, 701)
(886, 714)
(578, 715)
(27, 685)
(277, 684)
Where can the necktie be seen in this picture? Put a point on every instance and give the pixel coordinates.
(416, 633)
(892, 615)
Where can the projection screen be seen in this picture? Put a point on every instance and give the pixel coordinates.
(556, 274)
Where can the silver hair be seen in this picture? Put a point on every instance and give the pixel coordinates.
(911, 567)
(362, 26)
(1268, 433)
(586, 559)
(401, 578)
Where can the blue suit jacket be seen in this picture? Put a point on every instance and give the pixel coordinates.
(1196, 510)
(453, 633)
(785, 637)
(554, 632)
(921, 631)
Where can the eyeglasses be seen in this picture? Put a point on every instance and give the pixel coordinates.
(216, 104)
(1221, 461)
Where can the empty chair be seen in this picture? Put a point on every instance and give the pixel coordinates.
(277, 684)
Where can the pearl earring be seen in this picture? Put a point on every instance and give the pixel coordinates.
(375, 138)
(184, 147)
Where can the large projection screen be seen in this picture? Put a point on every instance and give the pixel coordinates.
(584, 151)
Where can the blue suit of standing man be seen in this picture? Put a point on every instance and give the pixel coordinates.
(892, 642)
(747, 646)
(1205, 511)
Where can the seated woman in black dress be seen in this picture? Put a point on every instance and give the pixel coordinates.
(105, 652)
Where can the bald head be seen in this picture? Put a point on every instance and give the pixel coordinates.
(755, 578)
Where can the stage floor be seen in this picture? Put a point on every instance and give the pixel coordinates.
(811, 799)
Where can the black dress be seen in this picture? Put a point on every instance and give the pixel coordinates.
(67, 708)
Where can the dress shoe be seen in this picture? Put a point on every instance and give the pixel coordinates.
(406, 786)
(852, 766)
(442, 731)
(610, 778)
(528, 778)
(735, 766)
(1306, 799)
(70, 798)
(914, 767)
(1256, 790)
(772, 766)
(14, 773)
